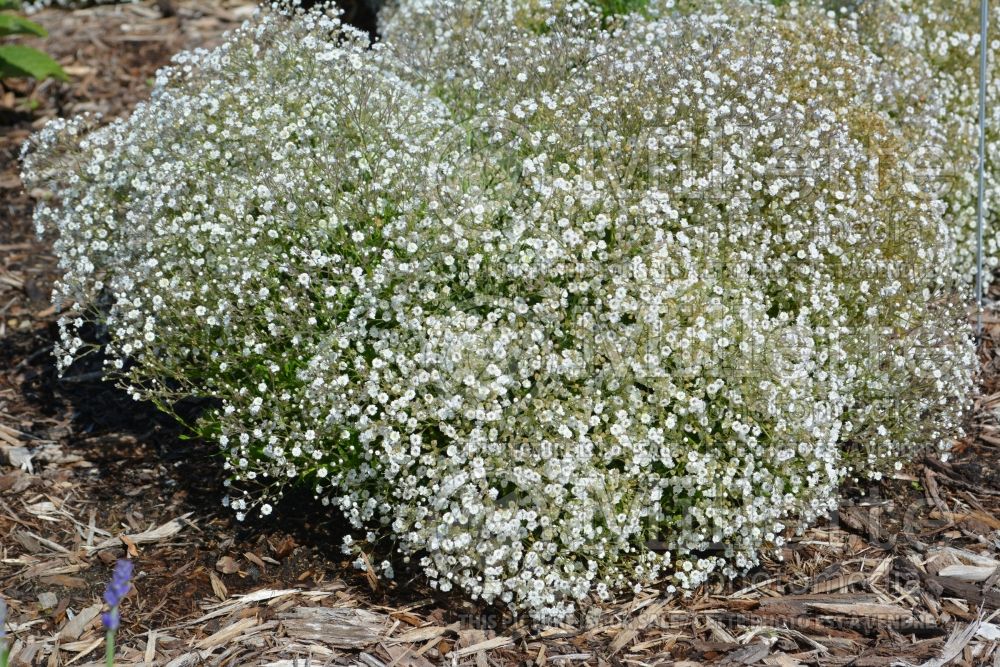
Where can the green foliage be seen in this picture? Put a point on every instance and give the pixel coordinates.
(617, 7)
(12, 24)
(23, 61)
(17, 60)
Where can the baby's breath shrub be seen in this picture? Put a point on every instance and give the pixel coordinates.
(525, 288)
(903, 332)
(243, 221)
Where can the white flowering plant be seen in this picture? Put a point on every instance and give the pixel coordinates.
(525, 289)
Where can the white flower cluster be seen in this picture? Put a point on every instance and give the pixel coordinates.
(526, 289)
(927, 78)
(930, 61)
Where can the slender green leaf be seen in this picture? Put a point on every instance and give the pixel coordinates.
(23, 61)
(12, 24)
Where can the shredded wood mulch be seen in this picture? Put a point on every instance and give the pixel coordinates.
(906, 573)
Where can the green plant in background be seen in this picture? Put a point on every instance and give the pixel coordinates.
(17, 60)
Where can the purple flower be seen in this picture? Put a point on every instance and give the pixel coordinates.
(4, 649)
(111, 619)
(117, 588)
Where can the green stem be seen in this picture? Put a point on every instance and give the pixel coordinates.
(3, 654)
(109, 649)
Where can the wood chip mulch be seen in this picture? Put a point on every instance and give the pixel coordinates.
(906, 573)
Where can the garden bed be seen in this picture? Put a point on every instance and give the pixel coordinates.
(903, 574)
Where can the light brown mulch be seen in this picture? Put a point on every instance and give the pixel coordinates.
(905, 573)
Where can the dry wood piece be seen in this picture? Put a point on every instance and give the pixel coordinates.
(868, 610)
(967, 572)
(163, 532)
(838, 583)
(76, 625)
(421, 635)
(218, 587)
(408, 657)
(488, 645)
(185, 660)
(226, 565)
(226, 635)
(339, 627)
(953, 647)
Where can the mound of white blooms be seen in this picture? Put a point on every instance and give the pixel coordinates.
(520, 293)
(827, 72)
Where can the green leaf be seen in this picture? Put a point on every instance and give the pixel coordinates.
(24, 61)
(10, 4)
(12, 24)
